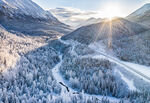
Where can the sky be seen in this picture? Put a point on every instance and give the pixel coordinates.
(121, 7)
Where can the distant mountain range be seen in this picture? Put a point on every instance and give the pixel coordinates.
(29, 18)
(75, 17)
(141, 15)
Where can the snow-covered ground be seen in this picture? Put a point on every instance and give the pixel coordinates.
(128, 82)
(29, 44)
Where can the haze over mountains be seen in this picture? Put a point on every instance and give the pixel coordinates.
(42, 60)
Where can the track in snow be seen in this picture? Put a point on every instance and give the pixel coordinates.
(130, 69)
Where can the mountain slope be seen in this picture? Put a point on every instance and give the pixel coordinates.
(27, 17)
(141, 15)
(12, 47)
(115, 29)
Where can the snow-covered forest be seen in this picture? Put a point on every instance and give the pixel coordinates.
(42, 60)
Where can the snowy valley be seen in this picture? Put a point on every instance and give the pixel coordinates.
(43, 60)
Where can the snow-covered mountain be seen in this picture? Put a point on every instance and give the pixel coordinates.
(127, 40)
(116, 29)
(29, 18)
(24, 7)
(142, 15)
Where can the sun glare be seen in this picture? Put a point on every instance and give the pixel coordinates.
(112, 10)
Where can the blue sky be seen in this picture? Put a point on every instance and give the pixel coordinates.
(125, 6)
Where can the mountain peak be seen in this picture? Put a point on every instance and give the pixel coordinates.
(24, 7)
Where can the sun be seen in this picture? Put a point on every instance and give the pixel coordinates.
(112, 10)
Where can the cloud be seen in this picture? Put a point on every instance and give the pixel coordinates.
(72, 16)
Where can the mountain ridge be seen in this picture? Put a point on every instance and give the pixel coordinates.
(142, 15)
(91, 33)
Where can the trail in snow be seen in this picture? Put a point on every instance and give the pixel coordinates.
(56, 74)
(136, 69)
(141, 68)
(59, 78)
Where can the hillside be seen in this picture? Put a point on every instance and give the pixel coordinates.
(116, 29)
(13, 47)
